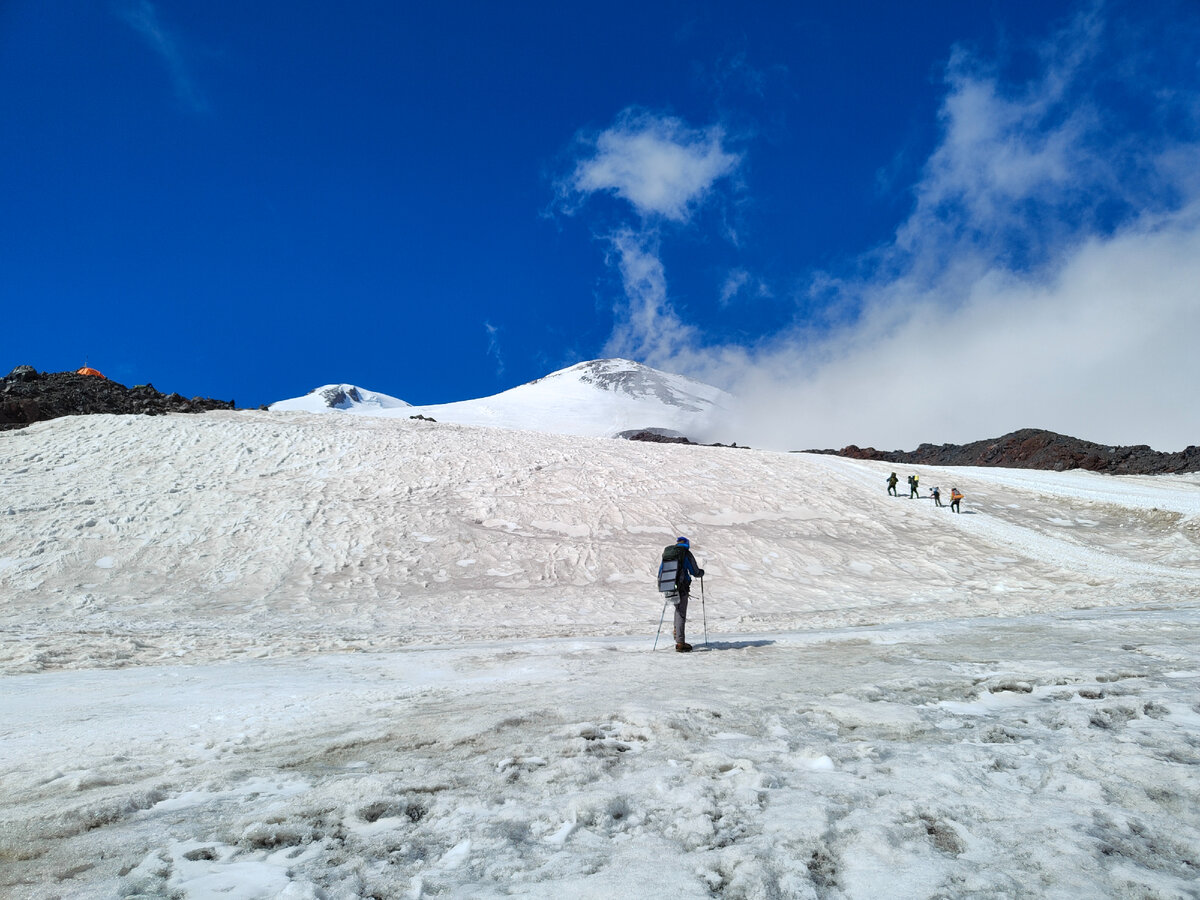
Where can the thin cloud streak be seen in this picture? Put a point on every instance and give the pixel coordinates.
(734, 282)
(493, 347)
(143, 17)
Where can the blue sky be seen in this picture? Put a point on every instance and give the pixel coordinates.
(878, 223)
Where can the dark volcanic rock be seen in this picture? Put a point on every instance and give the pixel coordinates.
(657, 436)
(1032, 448)
(28, 396)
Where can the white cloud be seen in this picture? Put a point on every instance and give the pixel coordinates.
(1006, 300)
(646, 325)
(1047, 276)
(659, 165)
(1100, 351)
(142, 16)
(1013, 162)
(664, 170)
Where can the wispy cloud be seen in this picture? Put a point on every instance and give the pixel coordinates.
(1047, 276)
(142, 17)
(663, 171)
(734, 282)
(1097, 350)
(493, 348)
(646, 326)
(739, 282)
(1019, 168)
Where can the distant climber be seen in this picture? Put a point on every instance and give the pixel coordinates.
(892, 479)
(955, 499)
(680, 553)
(912, 486)
(936, 494)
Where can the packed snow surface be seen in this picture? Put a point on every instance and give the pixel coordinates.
(599, 398)
(254, 654)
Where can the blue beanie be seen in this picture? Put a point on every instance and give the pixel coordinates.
(682, 540)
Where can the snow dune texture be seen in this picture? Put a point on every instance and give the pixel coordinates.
(897, 700)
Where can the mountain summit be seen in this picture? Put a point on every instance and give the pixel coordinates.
(346, 397)
(623, 376)
(598, 398)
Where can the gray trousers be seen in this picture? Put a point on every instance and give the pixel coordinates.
(681, 612)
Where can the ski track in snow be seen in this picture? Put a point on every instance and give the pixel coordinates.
(896, 700)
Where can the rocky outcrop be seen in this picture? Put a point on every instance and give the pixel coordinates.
(28, 396)
(665, 436)
(1033, 448)
(341, 396)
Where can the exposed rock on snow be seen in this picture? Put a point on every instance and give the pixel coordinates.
(665, 436)
(27, 396)
(622, 376)
(1033, 448)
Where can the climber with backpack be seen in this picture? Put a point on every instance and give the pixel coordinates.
(675, 580)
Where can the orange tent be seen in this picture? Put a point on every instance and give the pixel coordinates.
(88, 371)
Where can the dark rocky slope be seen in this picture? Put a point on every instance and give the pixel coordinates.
(28, 396)
(1032, 448)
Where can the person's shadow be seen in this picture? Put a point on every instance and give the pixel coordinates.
(735, 645)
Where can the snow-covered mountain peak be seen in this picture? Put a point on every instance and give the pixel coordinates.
(623, 376)
(598, 398)
(347, 397)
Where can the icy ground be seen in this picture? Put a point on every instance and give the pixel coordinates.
(266, 655)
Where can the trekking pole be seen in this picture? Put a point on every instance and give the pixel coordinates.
(660, 621)
(703, 615)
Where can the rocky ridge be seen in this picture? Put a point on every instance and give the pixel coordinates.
(1033, 448)
(28, 396)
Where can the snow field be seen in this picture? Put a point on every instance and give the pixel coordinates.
(198, 538)
(1043, 757)
(311, 656)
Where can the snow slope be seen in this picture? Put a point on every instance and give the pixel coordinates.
(252, 655)
(599, 398)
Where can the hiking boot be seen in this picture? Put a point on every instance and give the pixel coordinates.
(683, 648)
